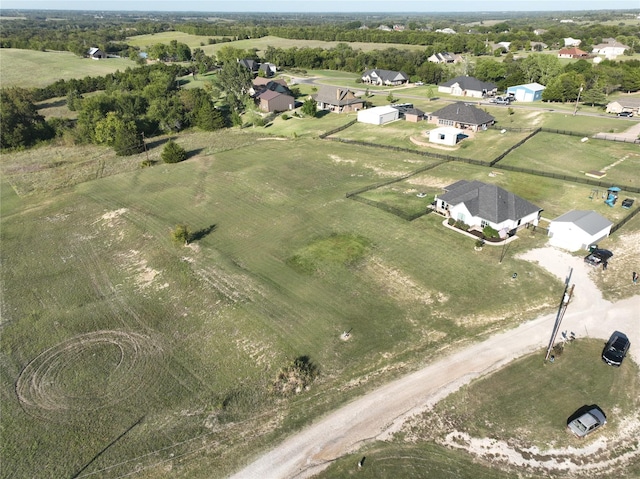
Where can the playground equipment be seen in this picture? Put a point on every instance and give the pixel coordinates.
(612, 196)
(594, 193)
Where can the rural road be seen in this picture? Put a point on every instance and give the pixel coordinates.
(383, 411)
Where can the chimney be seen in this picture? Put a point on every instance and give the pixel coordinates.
(337, 93)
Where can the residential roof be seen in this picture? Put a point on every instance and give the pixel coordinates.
(489, 202)
(463, 113)
(270, 95)
(414, 111)
(250, 64)
(336, 96)
(93, 50)
(387, 75)
(469, 83)
(588, 221)
(572, 51)
(530, 86)
(613, 44)
(444, 57)
(627, 102)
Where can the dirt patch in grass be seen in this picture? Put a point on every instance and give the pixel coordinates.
(48, 383)
(399, 285)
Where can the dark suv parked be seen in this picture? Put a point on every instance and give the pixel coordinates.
(616, 349)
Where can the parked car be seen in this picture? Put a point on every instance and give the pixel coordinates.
(586, 420)
(616, 349)
(598, 256)
(627, 114)
(419, 83)
(503, 100)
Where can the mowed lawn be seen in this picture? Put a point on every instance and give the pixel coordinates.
(35, 69)
(123, 350)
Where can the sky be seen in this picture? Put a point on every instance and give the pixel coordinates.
(397, 6)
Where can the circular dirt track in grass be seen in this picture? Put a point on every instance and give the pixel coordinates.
(87, 372)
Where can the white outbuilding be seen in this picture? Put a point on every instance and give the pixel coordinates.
(578, 229)
(445, 135)
(378, 115)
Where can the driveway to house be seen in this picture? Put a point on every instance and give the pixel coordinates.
(630, 134)
(383, 411)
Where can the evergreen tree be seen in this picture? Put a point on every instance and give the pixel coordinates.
(173, 153)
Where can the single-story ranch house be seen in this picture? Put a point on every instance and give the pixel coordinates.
(337, 100)
(624, 104)
(480, 204)
(468, 86)
(578, 229)
(528, 92)
(385, 77)
(572, 52)
(378, 115)
(610, 48)
(461, 115)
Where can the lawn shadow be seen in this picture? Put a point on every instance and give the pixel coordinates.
(196, 152)
(202, 233)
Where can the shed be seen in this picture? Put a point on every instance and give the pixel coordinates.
(527, 92)
(446, 135)
(378, 115)
(578, 229)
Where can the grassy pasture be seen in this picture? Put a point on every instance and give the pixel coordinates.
(34, 69)
(527, 404)
(90, 273)
(570, 156)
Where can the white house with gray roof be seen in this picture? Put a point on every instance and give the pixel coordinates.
(480, 204)
(578, 229)
(385, 77)
(468, 86)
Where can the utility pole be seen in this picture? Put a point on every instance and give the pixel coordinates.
(575, 110)
(566, 297)
(145, 147)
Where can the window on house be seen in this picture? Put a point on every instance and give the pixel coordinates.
(484, 223)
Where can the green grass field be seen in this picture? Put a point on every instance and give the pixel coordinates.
(123, 351)
(34, 69)
(107, 322)
(525, 404)
(260, 44)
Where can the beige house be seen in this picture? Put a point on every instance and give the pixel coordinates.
(337, 100)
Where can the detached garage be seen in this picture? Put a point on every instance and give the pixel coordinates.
(378, 115)
(578, 229)
(528, 92)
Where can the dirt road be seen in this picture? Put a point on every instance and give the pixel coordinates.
(383, 411)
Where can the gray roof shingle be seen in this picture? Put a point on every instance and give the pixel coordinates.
(470, 83)
(489, 202)
(588, 221)
(462, 113)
